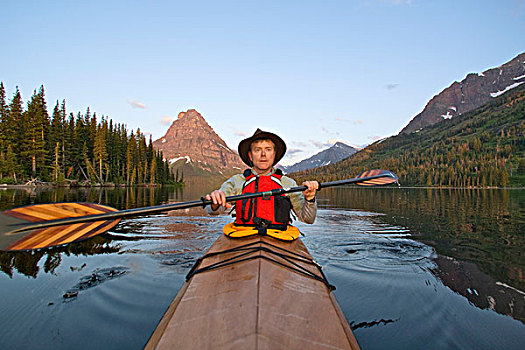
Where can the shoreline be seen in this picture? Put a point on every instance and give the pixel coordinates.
(442, 187)
(50, 185)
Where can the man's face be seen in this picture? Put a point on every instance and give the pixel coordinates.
(262, 155)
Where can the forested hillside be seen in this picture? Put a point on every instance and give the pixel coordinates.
(71, 148)
(481, 148)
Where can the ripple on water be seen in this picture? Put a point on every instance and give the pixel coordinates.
(352, 236)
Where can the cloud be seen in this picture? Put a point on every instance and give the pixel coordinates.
(167, 119)
(329, 132)
(241, 133)
(299, 144)
(319, 144)
(136, 104)
(340, 119)
(293, 151)
(391, 86)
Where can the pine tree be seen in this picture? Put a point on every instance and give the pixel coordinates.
(100, 148)
(150, 158)
(91, 123)
(56, 163)
(14, 127)
(69, 148)
(36, 122)
(110, 150)
(153, 170)
(79, 146)
(161, 177)
(140, 158)
(10, 164)
(4, 115)
(56, 139)
(130, 162)
(64, 135)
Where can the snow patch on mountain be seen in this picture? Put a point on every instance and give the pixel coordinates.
(174, 160)
(498, 93)
(447, 116)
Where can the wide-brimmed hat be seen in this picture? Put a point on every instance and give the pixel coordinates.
(244, 146)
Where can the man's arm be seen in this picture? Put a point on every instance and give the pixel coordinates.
(306, 210)
(231, 187)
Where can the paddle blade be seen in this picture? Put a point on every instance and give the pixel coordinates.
(384, 177)
(34, 237)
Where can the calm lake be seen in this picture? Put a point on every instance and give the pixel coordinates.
(414, 268)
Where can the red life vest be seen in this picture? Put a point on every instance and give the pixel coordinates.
(269, 212)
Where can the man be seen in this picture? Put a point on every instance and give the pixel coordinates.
(261, 152)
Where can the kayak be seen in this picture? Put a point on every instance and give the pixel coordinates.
(255, 292)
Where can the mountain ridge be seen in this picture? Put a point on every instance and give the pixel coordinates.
(472, 92)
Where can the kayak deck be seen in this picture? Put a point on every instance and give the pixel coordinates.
(254, 303)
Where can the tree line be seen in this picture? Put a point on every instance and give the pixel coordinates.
(64, 147)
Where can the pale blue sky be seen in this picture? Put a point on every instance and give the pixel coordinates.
(312, 71)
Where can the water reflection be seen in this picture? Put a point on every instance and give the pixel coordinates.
(27, 262)
(481, 226)
(141, 229)
(118, 197)
(466, 279)
(477, 235)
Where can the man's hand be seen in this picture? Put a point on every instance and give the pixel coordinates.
(219, 199)
(309, 193)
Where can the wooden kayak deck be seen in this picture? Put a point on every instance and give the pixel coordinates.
(254, 304)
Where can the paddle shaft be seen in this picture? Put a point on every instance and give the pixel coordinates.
(185, 205)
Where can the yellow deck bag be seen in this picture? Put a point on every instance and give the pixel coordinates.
(231, 230)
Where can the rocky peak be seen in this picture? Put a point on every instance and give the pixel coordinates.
(192, 140)
(335, 153)
(472, 92)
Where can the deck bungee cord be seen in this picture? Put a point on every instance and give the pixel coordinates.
(249, 252)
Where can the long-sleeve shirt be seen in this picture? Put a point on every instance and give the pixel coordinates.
(304, 210)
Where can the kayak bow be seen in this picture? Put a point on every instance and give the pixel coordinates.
(254, 293)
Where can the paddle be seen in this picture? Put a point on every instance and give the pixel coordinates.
(47, 225)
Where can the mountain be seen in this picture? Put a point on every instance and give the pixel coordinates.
(194, 149)
(472, 92)
(481, 148)
(337, 152)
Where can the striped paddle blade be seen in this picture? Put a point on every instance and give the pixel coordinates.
(387, 178)
(37, 238)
